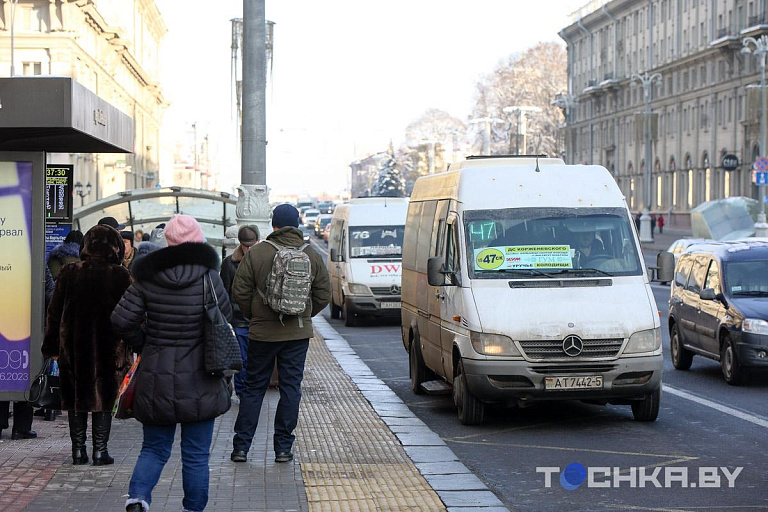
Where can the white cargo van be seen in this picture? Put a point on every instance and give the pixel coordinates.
(365, 257)
(523, 280)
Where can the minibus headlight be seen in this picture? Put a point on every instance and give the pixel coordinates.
(644, 341)
(755, 326)
(358, 289)
(493, 344)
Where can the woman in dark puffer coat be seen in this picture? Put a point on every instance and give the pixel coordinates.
(92, 359)
(161, 314)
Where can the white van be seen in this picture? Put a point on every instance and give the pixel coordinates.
(523, 280)
(365, 257)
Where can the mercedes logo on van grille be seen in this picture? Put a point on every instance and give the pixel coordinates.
(394, 289)
(572, 345)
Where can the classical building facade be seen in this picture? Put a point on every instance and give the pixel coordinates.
(112, 48)
(703, 106)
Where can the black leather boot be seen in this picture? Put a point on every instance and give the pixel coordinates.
(78, 427)
(101, 424)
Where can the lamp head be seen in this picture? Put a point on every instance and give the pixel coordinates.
(746, 50)
(78, 187)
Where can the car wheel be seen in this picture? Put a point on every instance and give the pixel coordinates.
(335, 311)
(733, 372)
(681, 356)
(349, 318)
(647, 409)
(471, 410)
(417, 369)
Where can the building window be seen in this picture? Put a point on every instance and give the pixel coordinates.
(32, 68)
(31, 18)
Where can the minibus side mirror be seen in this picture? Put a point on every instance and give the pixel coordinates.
(435, 273)
(707, 294)
(334, 254)
(665, 267)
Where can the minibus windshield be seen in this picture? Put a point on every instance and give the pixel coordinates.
(524, 243)
(375, 241)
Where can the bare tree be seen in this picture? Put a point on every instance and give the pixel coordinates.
(532, 78)
(434, 125)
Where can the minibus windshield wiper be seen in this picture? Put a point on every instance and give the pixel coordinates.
(585, 271)
(520, 271)
(752, 293)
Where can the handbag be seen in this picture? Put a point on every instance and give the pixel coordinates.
(222, 351)
(124, 404)
(44, 391)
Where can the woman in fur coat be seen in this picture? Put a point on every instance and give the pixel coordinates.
(92, 359)
(66, 252)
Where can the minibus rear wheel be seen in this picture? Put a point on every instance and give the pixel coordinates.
(471, 410)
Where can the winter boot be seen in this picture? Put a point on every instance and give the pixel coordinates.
(101, 425)
(78, 427)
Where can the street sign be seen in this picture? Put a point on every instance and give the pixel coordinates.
(761, 164)
(761, 178)
(730, 162)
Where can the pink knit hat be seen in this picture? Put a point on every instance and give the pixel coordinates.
(183, 228)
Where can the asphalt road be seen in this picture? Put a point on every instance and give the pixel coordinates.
(706, 429)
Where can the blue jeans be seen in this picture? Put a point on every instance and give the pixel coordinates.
(242, 339)
(290, 356)
(155, 451)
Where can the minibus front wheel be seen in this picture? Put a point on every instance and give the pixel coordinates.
(471, 410)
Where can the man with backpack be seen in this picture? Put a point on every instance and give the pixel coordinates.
(280, 285)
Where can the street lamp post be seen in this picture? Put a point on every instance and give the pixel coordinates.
(487, 121)
(646, 79)
(79, 191)
(759, 48)
(566, 102)
(522, 126)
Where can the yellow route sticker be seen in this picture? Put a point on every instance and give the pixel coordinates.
(489, 259)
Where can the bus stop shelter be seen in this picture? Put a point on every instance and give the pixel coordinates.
(40, 115)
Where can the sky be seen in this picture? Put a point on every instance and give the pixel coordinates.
(347, 77)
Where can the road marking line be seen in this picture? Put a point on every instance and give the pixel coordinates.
(757, 420)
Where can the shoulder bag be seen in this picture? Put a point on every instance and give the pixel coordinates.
(44, 391)
(222, 351)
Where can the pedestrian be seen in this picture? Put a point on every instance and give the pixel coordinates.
(653, 223)
(637, 221)
(111, 222)
(161, 315)
(248, 236)
(127, 236)
(661, 223)
(66, 252)
(138, 236)
(157, 235)
(22, 419)
(275, 336)
(92, 359)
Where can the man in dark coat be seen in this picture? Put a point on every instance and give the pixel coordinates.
(248, 236)
(162, 316)
(92, 359)
(273, 338)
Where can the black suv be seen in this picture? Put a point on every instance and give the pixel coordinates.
(718, 307)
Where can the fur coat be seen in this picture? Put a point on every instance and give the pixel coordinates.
(92, 359)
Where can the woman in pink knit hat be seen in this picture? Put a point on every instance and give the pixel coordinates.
(172, 385)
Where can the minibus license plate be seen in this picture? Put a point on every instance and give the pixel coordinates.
(390, 305)
(580, 382)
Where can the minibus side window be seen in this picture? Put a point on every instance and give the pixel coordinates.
(713, 277)
(451, 254)
(425, 240)
(698, 273)
(411, 235)
(683, 269)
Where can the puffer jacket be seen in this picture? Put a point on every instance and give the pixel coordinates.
(161, 315)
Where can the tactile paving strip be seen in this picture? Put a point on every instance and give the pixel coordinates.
(350, 460)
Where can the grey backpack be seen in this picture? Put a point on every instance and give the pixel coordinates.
(289, 284)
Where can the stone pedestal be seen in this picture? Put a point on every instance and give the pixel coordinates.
(253, 208)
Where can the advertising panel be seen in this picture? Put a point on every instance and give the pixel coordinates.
(16, 227)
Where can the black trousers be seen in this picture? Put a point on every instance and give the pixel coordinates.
(22, 416)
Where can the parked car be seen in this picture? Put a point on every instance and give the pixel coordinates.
(322, 220)
(718, 307)
(678, 246)
(310, 216)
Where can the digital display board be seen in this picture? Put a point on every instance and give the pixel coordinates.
(58, 192)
